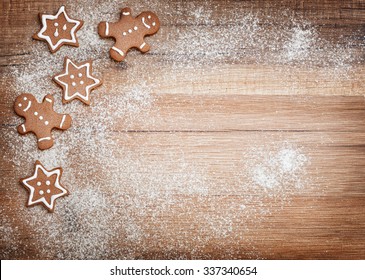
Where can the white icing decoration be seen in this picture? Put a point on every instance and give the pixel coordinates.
(39, 183)
(149, 17)
(24, 98)
(81, 82)
(44, 139)
(48, 182)
(23, 126)
(73, 84)
(63, 120)
(130, 30)
(46, 122)
(135, 28)
(56, 24)
(80, 75)
(64, 27)
(41, 192)
(56, 185)
(41, 117)
(142, 46)
(56, 33)
(124, 33)
(51, 17)
(145, 24)
(126, 13)
(118, 50)
(29, 104)
(36, 113)
(72, 76)
(49, 100)
(20, 105)
(153, 23)
(67, 95)
(48, 191)
(106, 28)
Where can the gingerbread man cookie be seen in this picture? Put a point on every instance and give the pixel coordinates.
(40, 118)
(58, 30)
(129, 32)
(44, 187)
(76, 81)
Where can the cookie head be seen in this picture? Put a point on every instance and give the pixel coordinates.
(150, 21)
(23, 103)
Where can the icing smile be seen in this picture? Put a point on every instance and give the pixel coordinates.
(29, 104)
(145, 24)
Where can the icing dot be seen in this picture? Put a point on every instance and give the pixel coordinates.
(20, 105)
(73, 84)
(48, 183)
(64, 27)
(48, 191)
(124, 33)
(149, 17)
(135, 28)
(130, 30)
(56, 24)
(80, 75)
(40, 117)
(46, 122)
(39, 183)
(72, 76)
(41, 192)
(81, 82)
(35, 113)
(153, 23)
(25, 98)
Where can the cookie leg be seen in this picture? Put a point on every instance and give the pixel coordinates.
(45, 143)
(22, 129)
(117, 54)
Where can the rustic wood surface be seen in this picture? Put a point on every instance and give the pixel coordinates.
(212, 117)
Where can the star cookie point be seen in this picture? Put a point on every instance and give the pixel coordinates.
(77, 81)
(58, 30)
(44, 186)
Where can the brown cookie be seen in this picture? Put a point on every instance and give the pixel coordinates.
(58, 30)
(129, 32)
(76, 81)
(44, 186)
(40, 118)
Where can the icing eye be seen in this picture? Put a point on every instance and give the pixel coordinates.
(48, 183)
(35, 113)
(80, 75)
(72, 76)
(20, 105)
(41, 192)
(153, 23)
(24, 98)
(39, 183)
(149, 17)
(56, 24)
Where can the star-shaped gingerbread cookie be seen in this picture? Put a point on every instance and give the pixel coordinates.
(40, 118)
(58, 30)
(44, 187)
(76, 81)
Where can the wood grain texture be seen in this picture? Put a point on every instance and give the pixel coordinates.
(213, 118)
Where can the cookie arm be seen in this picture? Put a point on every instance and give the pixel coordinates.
(143, 46)
(63, 122)
(48, 100)
(22, 129)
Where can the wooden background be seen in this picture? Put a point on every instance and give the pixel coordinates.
(246, 103)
